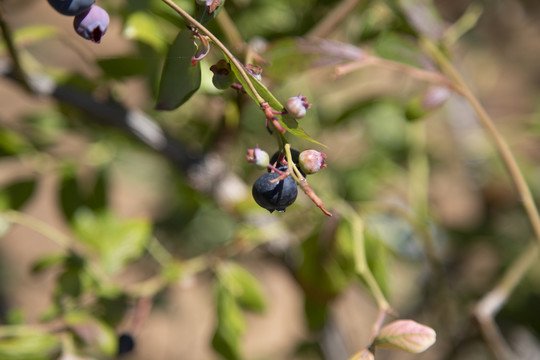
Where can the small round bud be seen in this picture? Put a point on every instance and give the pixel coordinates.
(296, 106)
(258, 157)
(255, 70)
(312, 161)
(92, 24)
(223, 76)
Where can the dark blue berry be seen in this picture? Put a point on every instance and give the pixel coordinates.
(126, 343)
(71, 7)
(92, 24)
(274, 196)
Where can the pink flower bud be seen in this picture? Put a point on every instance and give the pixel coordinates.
(296, 106)
(312, 161)
(406, 335)
(92, 24)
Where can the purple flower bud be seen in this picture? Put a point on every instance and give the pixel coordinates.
(92, 24)
(312, 161)
(71, 7)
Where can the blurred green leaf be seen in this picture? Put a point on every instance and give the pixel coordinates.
(230, 326)
(143, 27)
(179, 79)
(122, 67)
(32, 34)
(95, 334)
(29, 346)
(117, 241)
(12, 143)
(244, 286)
(46, 262)
(396, 47)
(17, 194)
(316, 312)
(73, 197)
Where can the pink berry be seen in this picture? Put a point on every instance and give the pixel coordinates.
(312, 161)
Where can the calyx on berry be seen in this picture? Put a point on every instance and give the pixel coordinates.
(258, 157)
(296, 106)
(274, 195)
(223, 76)
(312, 161)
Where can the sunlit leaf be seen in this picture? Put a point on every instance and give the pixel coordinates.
(230, 326)
(244, 286)
(29, 346)
(143, 27)
(117, 241)
(179, 79)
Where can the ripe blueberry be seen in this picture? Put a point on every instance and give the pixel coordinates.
(274, 196)
(126, 343)
(71, 7)
(92, 24)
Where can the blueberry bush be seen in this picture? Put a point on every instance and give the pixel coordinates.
(394, 217)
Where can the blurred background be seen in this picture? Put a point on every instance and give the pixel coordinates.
(159, 224)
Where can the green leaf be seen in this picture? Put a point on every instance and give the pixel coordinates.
(12, 143)
(203, 15)
(117, 241)
(29, 346)
(244, 286)
(179, 79)
(396, 47)
(17, 194)
(230, 326)
(290, 124)
(143, 27)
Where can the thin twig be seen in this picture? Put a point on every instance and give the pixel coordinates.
(333, 19)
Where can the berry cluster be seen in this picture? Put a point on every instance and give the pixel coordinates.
(277, 189)
(90, 21)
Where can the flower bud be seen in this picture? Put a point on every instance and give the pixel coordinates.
(312, 161)
(296, 106)
(92, 24)
(258, 157)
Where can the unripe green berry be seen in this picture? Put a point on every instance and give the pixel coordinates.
(223, 76)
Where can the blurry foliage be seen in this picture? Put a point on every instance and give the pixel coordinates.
(362, 118)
